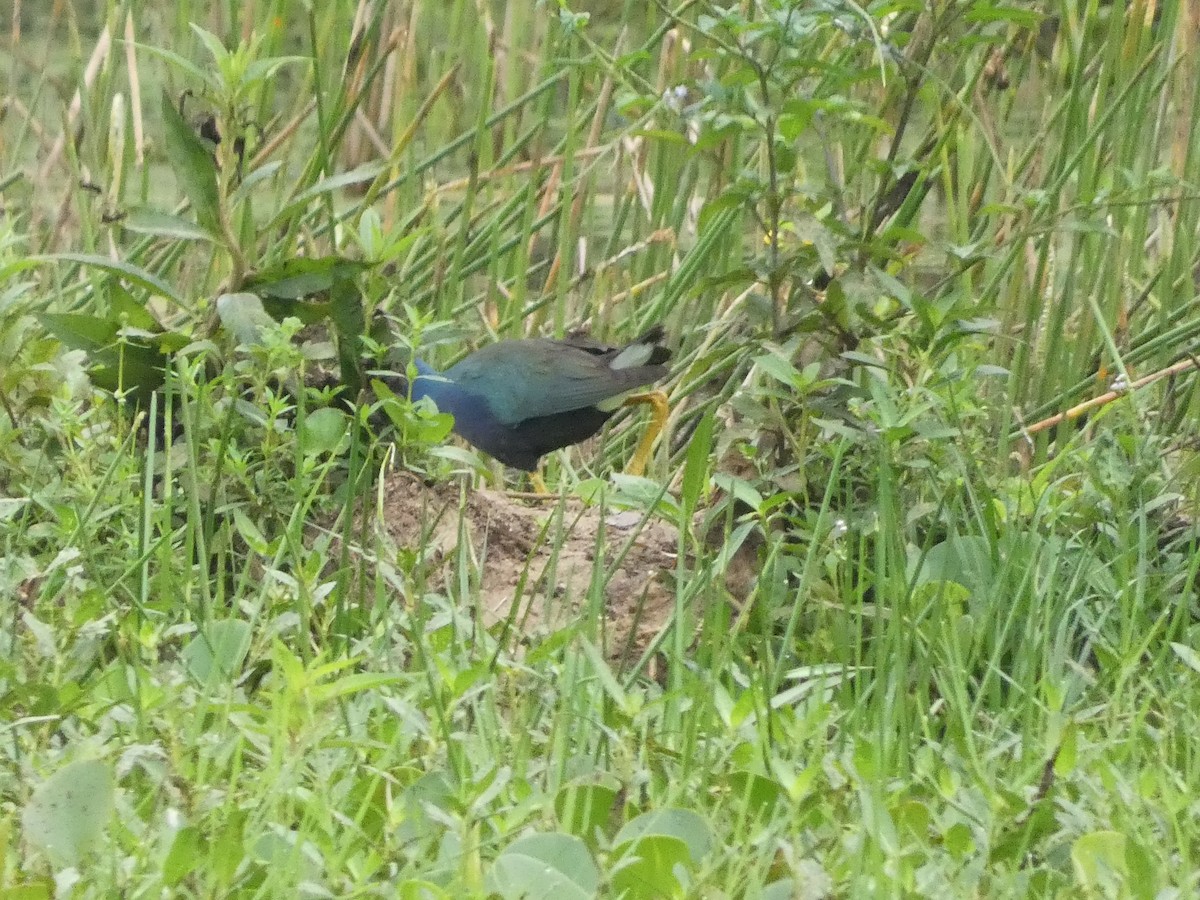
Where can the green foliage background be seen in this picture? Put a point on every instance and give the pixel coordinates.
(929, 269)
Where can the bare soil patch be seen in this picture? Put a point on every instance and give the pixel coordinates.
(544, 556)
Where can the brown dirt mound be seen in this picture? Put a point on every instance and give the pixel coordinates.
(542, 555)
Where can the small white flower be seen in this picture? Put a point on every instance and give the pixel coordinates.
(673, 98)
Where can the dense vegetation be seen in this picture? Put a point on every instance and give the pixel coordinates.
(929, 489)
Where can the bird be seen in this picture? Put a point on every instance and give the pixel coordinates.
(518, 400)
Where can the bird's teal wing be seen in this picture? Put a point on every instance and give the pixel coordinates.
(527, 379)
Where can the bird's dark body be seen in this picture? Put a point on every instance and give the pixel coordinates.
(523, 444)
(519, 400)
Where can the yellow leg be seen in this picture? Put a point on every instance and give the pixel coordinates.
(658, 418)
(535, 480)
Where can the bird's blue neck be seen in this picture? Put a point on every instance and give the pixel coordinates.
(473, 419)
(447, 395)
(428, 383)
(424, 368)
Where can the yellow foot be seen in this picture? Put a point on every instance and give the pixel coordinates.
(657, 400)
(536, 482)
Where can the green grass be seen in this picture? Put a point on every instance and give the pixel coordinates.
(912, 639)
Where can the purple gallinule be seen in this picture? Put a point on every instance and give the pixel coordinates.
(517, 400)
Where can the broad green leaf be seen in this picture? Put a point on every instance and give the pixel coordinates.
(966, 560)
(194, 166)
(644, 493)
(349, 323)
(248, 184)
(228, 848)
(990, 371)
(132, 366)
(243, 316)
(308, 312)
(792, 125)
(304, 277)
(130, 273)
(184, 856)
(1099, 861)
(777, 367)
(323, 431)
(584, 808)
(217, 653)
(759, 794)
(369, 800)
(131, 312)
(370, 234)
(80, 331)
(353, 683)
(427, 427)
(1143, 879)
(145, 220)
(1187, 655)
(1068, 751)
(912, 820)
(647, 868)
(550, 866)
(68, 812)
(213, 44)
(740, 488)
(959, 840)
(198, 75)
(695, 469)
(418, 423)
(249, 532)
(367, 172)
(424, 803)
(129, 368)
(682, 824)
